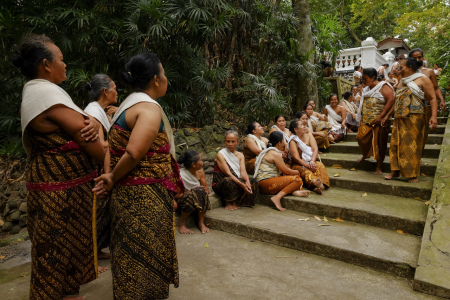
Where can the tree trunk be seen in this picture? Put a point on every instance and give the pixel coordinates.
(306, 84)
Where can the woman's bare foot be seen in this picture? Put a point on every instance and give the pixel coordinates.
(102, 269)
(75, 298)
(413, 179)
(229, 206)
(184, 230)
(103, 255)
(277, 201)
(299, 193)
(392, 175)
(235, 206)
(361, 159)
(317, 191)
(203, 228)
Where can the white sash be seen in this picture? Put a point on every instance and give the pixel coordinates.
(261, 144)
(261, 156)
(94, 109)
(38, 95)
(189, 179)
(350, 106)
(139, 97)
(371, 93)
(306, 150)
(334, 119)
(413, 87)
(232, 161)
(286, 137)
(310, 124)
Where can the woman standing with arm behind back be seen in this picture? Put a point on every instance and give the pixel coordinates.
(144, 258)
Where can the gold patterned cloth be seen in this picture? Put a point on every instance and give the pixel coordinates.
(274, 185)
(308, 176)
(250, 159)
(408, 134)
(60, 219)
(322, 142)
(267, 170)
(143, 250)
(372, 108)
(373, 139)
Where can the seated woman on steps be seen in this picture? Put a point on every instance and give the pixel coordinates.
(230, 180)
(253, 145)
(320, 134)
(337, 118)
(195, 197)
(303, 152)
(269, 168)
(351, 110)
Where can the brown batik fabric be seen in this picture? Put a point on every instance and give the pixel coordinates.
(143, 250)
(308, 176)
(250, 159)
(287, 184)
(194, 200)
(322, 142)
(229, 191)
(60, 216)
(373, 140)
(103, 222)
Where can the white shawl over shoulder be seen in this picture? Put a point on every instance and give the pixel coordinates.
(261, 156)
(286, 137)
(189, 179)
(371, 93)
(139, 97)
(306, 150)
(413, 87)
(38, 95)
(232, 161)
(94, 109)
(261, 145)
(335, 120)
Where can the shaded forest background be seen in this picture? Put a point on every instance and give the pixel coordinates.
(229, 60)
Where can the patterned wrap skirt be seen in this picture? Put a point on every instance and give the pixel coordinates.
(373, 140)
(194, 200)
(287, 184)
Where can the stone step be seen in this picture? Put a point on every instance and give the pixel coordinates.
(371, 183)
(348, 161)
(431, 151)
(432, 138)
(440, 129)
(375, 210)
(358, 244)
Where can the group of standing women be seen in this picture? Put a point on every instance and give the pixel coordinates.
(133, 163)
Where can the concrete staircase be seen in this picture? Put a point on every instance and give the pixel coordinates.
(362, 219)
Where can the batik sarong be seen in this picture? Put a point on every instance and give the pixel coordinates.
(194, 200)
(250, 159)
(143, 251)
(229, 191)
(287, 184)
(61, 216)
(322, 142)
(308, 176)
(103, 222)
(408, 134)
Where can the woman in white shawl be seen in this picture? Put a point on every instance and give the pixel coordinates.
(195, 198)
(303, 151)
(102, 94)
(272, 174)
(337, 118)
(230, 179)
(254, 144)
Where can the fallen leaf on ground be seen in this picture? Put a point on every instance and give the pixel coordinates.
(324, 155)
(426, 164)
(323, 225)
(445, 176)
(423, 174)
(417, 198)
(285, 256)
(2, 257)
(339, 220)
(206, 245)
(400, 231)
(305, 219)
(19, 240)
(23, 275)
(427, 203)
(325, 219)
(352, 169)
(364, 195)
(337, 175)
(337, 167)
(317, 218)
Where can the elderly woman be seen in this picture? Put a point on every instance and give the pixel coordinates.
(321, 136)
(146, 178)
(337, 117)
(195, 198)
(230, 179)
(269, 169)
(408, 130)
(253, 145)
(60, 169)
(303, 152)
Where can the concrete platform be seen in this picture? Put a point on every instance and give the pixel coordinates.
(374, 209)
(358, 244)
(234, 267)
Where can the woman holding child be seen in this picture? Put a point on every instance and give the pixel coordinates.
(230, 179)
(253, 145)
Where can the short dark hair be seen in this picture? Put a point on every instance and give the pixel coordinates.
(32, 50)
(299, 114)
(251, 127)
(277, 117)
(331, 96)
(357, 68)
(141, 69)
(304, 108)
(96, 86)
(386, 65)
(347, 95)
(275, 138)
(415, 50)
(413, 63)
(371, 72)
(380, 77)
(189, 158)
(293, 125)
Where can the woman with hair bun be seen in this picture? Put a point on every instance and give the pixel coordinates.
(195, 198)
(59, 175)
(145, 177)
(272, 174)
(253, 145)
